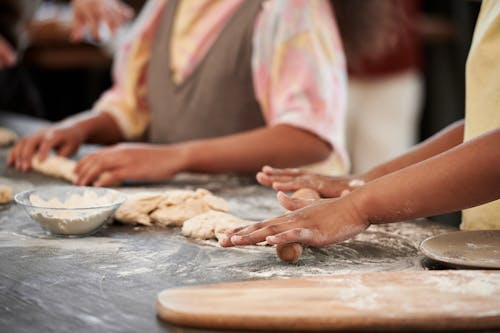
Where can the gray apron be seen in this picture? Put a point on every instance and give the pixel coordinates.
(217, 98)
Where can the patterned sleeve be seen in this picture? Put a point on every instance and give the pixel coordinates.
(126, 100)
(299, 69)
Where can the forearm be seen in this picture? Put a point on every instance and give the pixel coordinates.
(96, 127)
(463, 177)
(442, 141)
(280, 146)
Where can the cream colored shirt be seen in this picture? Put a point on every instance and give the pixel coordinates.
(483, 100)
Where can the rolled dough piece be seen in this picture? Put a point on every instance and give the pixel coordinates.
(137, 208)
(6, 194)
(178, 206)
(212, 225)
(289, 252)
(7, 137)
(55, 166)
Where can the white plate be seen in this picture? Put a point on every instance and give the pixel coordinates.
(465, 248)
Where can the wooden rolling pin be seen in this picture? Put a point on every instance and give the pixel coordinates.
(291, 252)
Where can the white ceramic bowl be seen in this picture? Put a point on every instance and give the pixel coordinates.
(70, 210)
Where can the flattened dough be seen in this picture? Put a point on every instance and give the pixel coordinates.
(55, 166)
(137, 208)
(7, 137)
(170, 208)
(212, 225)
(180, 205)
(6, 194)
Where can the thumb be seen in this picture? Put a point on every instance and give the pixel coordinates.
(292, 203)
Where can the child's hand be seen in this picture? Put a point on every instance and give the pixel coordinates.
(294, 179)
(129, 161)
(320, 223)
(64, 138)
(7, 54)
(92, 12)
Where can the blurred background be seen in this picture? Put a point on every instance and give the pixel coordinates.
(54, 77)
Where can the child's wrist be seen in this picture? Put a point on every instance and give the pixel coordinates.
(362, 204)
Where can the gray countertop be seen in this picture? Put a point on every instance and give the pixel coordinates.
(109, 282)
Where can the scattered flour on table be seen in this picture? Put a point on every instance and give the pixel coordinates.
(140, 270)
(469, 283)
(87, 244)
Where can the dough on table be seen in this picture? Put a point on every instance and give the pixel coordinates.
(55, 166)
(170, 208)
(212, 225)
(137, 208)
(6, 194)
(178, 206)
(7, 137)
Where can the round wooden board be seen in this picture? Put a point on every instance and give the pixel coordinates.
(387, 301)
(479, 249)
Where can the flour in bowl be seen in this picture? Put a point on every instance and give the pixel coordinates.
(76, 215)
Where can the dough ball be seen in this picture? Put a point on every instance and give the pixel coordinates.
(180, 205)
(306, 193)
(137, 208)
(55, 166)
(289, 252)
(7, 137)
(6, 194)
(212, 225)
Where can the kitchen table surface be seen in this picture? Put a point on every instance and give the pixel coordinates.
(109, 282)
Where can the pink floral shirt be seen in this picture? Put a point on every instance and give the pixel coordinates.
(298, 64)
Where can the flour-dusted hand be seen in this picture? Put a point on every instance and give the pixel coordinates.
(319, 223)
(295, 179)
(7, 54)
(63, 137)
(91, 13)
(130, 161)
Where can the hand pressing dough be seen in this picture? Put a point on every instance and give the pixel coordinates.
(6, 194)
(7, 137)
(212, 225)
(137, 208)
(55, 166)
(179, 206)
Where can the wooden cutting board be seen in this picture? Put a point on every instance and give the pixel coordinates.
(435, 300)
